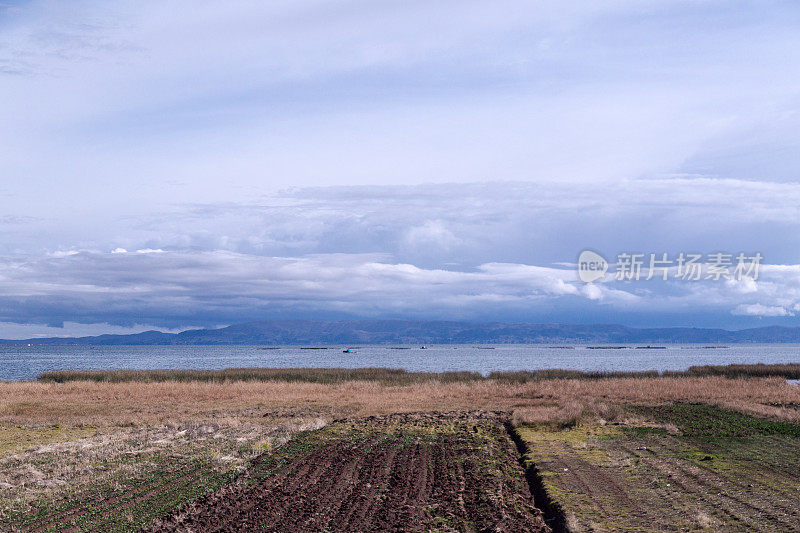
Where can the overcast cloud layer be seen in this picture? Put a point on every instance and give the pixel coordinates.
(175, 164)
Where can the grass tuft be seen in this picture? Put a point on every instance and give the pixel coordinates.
(524, 376)
(788, 371)
(385, 376)
(397, 376)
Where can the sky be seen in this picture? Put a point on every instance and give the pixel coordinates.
(171, 165)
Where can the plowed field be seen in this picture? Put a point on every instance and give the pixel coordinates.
(401, 472)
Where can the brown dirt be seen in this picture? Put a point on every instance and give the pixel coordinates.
(410, 472)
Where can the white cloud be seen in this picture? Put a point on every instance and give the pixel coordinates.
(10, 330)
(172, 286)
(250, 96)
(760, 310)
(431, 234)
(746, 285)
(522, 133)
(176, 288)
(467, 224)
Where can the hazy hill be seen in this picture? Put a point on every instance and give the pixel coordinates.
(304, 332)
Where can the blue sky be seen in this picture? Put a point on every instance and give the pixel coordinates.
(181, 164)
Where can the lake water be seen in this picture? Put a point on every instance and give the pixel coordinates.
(26, 362)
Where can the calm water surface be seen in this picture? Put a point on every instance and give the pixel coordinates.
(26, 362)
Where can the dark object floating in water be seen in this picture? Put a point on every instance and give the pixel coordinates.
(648, 347)
(422, 348)
(606, 347)
(348, 350)
(703, 347)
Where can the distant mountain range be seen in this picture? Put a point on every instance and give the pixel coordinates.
(348, 332)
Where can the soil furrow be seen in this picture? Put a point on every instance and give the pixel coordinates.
(409, 472)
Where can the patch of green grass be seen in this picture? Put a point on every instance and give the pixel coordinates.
(127, 504)
(645, 477)
(642, 431)
(118, 481)
(705, 421)
(19, 438)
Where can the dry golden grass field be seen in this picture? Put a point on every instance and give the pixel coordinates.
(89, 455)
